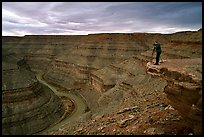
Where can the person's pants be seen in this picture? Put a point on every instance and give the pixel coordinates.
(157, 57)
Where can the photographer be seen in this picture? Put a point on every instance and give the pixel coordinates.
(157, 47)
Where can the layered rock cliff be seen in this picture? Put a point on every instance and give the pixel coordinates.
(184, 89)
(109, 72)
(27, 106)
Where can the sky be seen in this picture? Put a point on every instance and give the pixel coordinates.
(82, 18)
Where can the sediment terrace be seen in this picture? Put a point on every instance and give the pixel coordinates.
(108, 71)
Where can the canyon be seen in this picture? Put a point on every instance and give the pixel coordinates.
(102, 84)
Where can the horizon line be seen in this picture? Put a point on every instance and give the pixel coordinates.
(97, 33)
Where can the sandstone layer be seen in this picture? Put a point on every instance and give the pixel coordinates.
(27, 106)
(184, 89)
(109, 72)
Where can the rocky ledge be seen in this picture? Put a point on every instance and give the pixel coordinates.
(184, 89)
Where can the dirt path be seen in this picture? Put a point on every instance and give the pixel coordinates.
(80, 107)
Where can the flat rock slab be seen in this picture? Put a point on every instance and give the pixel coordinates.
(189, 67)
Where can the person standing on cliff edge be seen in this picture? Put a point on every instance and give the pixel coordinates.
(157, 47)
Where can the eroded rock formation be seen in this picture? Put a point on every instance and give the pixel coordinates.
(27, 106)
(108, 72)
(184, 89)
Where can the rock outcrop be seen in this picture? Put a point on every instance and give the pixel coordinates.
(184, 89)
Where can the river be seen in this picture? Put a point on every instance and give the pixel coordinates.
(79, 104)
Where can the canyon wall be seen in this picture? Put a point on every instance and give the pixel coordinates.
(27, 106)
(112, 65)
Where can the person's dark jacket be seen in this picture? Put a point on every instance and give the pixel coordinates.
(158, 48)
